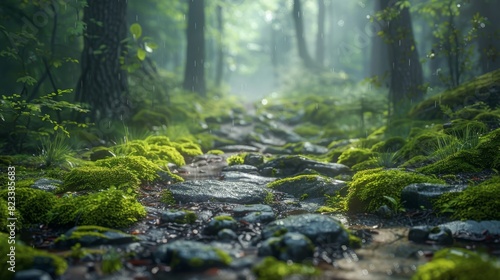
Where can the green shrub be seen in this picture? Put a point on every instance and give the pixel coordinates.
(94, 178)
(143, 169)
(367, 189)
(353, 156)
(459, 264)
(479, 202)
(108, 208)
(33, 204)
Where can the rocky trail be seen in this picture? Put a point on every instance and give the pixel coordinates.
(226, 222)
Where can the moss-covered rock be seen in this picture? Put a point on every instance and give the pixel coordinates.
(271, 268)
(155, 151)
(93, 236)
(143, 169)
(481, 89)
(392, 144)
(460, 264)
(110, 208)
(367, 189)
(307, 186)
(235, 160)
(425, 143)
(354, 156)
(33, 204)
(367, 164)
(28, 258)
(94, 178)
(479, 202)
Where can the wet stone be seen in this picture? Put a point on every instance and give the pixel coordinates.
(243, 168)
(32, 274)
(291, 246)
(227, 234)
(238, 148)
(93, 236)
(254, 159)
(474, 230)
(310, 148)
(241, 210)
(46, 184)
(219, 223)
(172, 216)
(286, 166)
(217, 191)
(319, 228)
(313, 187)
(439, 235)
(247, 178)
(188, 256)
(422, 194)
(259, 217)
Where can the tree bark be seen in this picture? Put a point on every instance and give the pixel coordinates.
(406, 86)
(297, 16)
(103, 83)
(194, 73)
(320, 36)
(219, 68)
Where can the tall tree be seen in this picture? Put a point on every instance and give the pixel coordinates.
(297, 16)
(194, 73)
(320, 36)
(219, 68)
(379, 61)
(103, 82)
(406, 86)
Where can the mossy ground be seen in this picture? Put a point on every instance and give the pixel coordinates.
(32, 204)
(95, 178)
(143, 169)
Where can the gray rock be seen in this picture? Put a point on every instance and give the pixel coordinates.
(290, 165)
(243, 168)
(32, 274)
(277, 151)
(93, 236)
(291, 246)
(189, 256)
(245, 177)
(227, 234)
(259, 217)
(241, 210)
(218, 191)
(311, 185)
(254, 159)
(219, 223)
(318, 228)
(173, 216)
(422, 194)
(440, 235)
(238, 148)
(310, 148)
(46, 184)
(473, 230)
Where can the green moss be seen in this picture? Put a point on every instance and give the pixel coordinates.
(333, 155)
(490, 119)
(417, 161)
(294, 180)
(353, 156)
(354, 241)
(33, 204)
(269, 199)
(196, 262)
(470, 92)
(463, 161)
(159, 150)
(145, 170)
(459, 264)
(224, 257)
(367, 189)
(424, 143)
(308, 130)
(215, 152)
(25, 259)
(188, 149)
(111, 208)
(479, 202)
(367, 164)
(86, 231)
(270, 268)
(167, 197)
(325, 209)
(224, 218)
(235, 160)
(94, 178)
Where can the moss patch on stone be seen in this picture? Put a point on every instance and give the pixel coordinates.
(236, 160)
(271, 268)
(479, 202)
(367, 189)
(94, 178)
(353, 156)
(154, 151)
(25, 259)
(294, 180)
(458, 263)
(145, 170)
(111, 208)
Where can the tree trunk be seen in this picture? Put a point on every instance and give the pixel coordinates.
(299, 33)
(219, 68)
(194, 73)
(406, 86)
(489, 36)
(103, 83)
(320, 36)
(379, 60)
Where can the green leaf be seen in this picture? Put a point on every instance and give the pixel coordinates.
(141, 54)
(26, 79)
(136, 30)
